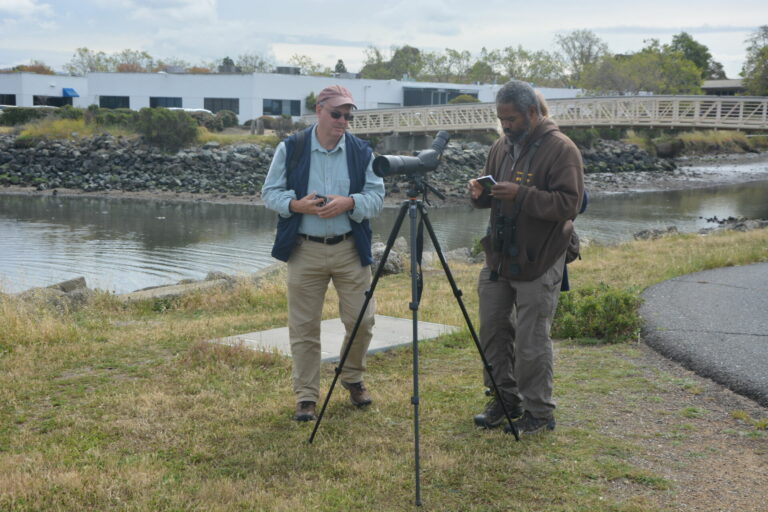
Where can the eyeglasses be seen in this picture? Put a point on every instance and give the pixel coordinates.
(336, 115)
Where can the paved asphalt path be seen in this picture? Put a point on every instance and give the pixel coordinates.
(715, 323)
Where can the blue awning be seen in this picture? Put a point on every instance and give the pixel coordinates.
(68, 92)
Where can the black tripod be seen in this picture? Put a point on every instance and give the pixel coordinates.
(417, 186)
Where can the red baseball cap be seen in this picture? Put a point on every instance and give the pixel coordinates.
(336, 96)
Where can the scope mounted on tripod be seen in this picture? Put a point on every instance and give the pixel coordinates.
(425, 161)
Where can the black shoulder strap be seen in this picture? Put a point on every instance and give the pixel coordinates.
(298, 149)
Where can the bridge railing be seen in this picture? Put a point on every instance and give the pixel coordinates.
(673, 111)
(744, 113)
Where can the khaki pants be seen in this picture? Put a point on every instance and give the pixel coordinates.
(310, 268)
(515, 321)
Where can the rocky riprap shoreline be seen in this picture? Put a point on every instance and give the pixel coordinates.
(618, 157)
(107, 163)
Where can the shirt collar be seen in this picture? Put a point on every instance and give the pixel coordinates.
(316, 146)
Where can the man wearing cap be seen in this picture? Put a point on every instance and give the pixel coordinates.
(321, 184)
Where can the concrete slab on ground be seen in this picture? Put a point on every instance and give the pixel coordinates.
(389, 332)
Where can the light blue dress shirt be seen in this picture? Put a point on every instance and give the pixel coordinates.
(328, 175)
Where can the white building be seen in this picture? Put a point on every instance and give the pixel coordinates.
(248, 95)
(29, 89)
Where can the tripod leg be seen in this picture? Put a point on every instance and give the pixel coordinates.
(457, 293)
(368, 297)
(414, 307)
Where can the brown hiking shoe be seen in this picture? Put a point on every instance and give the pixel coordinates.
(358, 394)
(305, 411)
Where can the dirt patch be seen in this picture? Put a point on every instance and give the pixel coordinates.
(713, 461)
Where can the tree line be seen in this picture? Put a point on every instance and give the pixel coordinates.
(581, 60)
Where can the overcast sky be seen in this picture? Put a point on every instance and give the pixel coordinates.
(200, 31)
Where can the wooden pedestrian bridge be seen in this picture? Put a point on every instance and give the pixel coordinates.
(701, 112)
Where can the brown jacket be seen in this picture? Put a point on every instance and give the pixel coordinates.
(551, 190)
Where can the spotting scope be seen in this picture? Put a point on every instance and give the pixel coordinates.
(424, 161)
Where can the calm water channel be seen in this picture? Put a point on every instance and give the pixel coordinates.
(124, 245)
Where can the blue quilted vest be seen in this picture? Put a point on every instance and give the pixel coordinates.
(358, 155)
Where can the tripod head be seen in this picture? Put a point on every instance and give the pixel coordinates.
(415, 168)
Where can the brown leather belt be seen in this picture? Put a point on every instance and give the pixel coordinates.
(329, 240)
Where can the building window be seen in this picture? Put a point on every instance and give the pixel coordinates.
(416, 97)
(114, 102)
(280, 107)
(219, 104)
(51, 101)
(156, 102)
(7, 99)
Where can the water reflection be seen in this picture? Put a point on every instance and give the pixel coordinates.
(154, 224)
(124, 245)
(616, 218)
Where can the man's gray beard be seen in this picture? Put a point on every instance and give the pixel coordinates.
(520, 138)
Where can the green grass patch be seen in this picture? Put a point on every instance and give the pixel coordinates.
(61, 129)
(695, 142)
(245, 137)
(715, 141)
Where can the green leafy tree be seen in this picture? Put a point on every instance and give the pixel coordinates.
(459, 64)
(653, 69)
(172, 63)
(436, 67)
(541, 67)
(87, 61)
(309, 66)
(132, 61)
(546, 69)
(406, 62)
(487, 68)
(34, 66)
(698, 54)
(514, 62)
(228, 66)
(310, 102)
(756, 81)
(755, 68)
(608, 76)
(580, 49)
(253, 63)
(375, 66)
(482, 72)
(340, 67)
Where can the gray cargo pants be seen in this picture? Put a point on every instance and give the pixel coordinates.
(515, 320)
